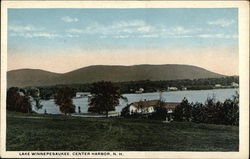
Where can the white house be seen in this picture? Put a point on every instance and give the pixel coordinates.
(172, 88)
(218, 85)
(234, 84)
(139, 91)
(184, 88)
(147, 107)
(82, 94)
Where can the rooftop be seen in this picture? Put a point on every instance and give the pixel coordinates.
(154, 103)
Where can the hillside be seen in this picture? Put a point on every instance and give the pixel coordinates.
(29, 77)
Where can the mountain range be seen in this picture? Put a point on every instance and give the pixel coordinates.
(114, 73)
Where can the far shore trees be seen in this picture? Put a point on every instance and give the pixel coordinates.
(105, 97)
(18, 101)
(63, 99)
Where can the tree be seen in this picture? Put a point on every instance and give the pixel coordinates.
(35, 93)
(38, 103)
(17, 101)
(105, 97)
(198, 113)
(125, 111)
(231, 110)
(46, 93)
(160, 112)
(214, 113)
(183, 112)
(63, 99)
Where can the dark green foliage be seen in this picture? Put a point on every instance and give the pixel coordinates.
(63, 99)
(159, 114)
(231, 111)
(105, 97)
(32, 91)
(211, 112)
(35, 132)
(17, 102)
(198, 113)
(38, 103)
(35, 94)
(46, 93)
(183, 112)
(125, 111)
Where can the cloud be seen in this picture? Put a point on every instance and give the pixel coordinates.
(132, 23)
(36, 35)
(122, 36)
(71, 36)
(223, 36)
(150, 36)
(43, 35)
(180, 30)
(68, 19)
(23, 28)
(74, 30)
(138, 28)
(30, 31)
(121, 27)
(222, 22)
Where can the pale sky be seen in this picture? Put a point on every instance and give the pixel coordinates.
(61, 40)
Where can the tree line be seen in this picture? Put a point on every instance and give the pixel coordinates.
(106, 95)
(48, 92)
(212, 112)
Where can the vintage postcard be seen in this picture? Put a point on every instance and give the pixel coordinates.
(126, 79)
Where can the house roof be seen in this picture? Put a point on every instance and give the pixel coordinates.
(154, 103)
(171, 105)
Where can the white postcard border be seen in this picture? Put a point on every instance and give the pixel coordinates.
(243, 8)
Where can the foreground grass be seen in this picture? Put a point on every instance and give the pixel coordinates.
(50, 133)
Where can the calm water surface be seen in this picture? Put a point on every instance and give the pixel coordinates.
(174, 96)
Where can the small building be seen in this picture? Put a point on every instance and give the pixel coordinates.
(218, 86)
(141, 90)
(172, 88)
(234, 84)
(184, 88)
(82, 94)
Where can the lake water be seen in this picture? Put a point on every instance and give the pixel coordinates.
(174, 96)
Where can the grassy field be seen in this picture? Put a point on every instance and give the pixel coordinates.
(47, 132)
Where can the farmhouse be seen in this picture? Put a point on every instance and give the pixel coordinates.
(147, 107)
